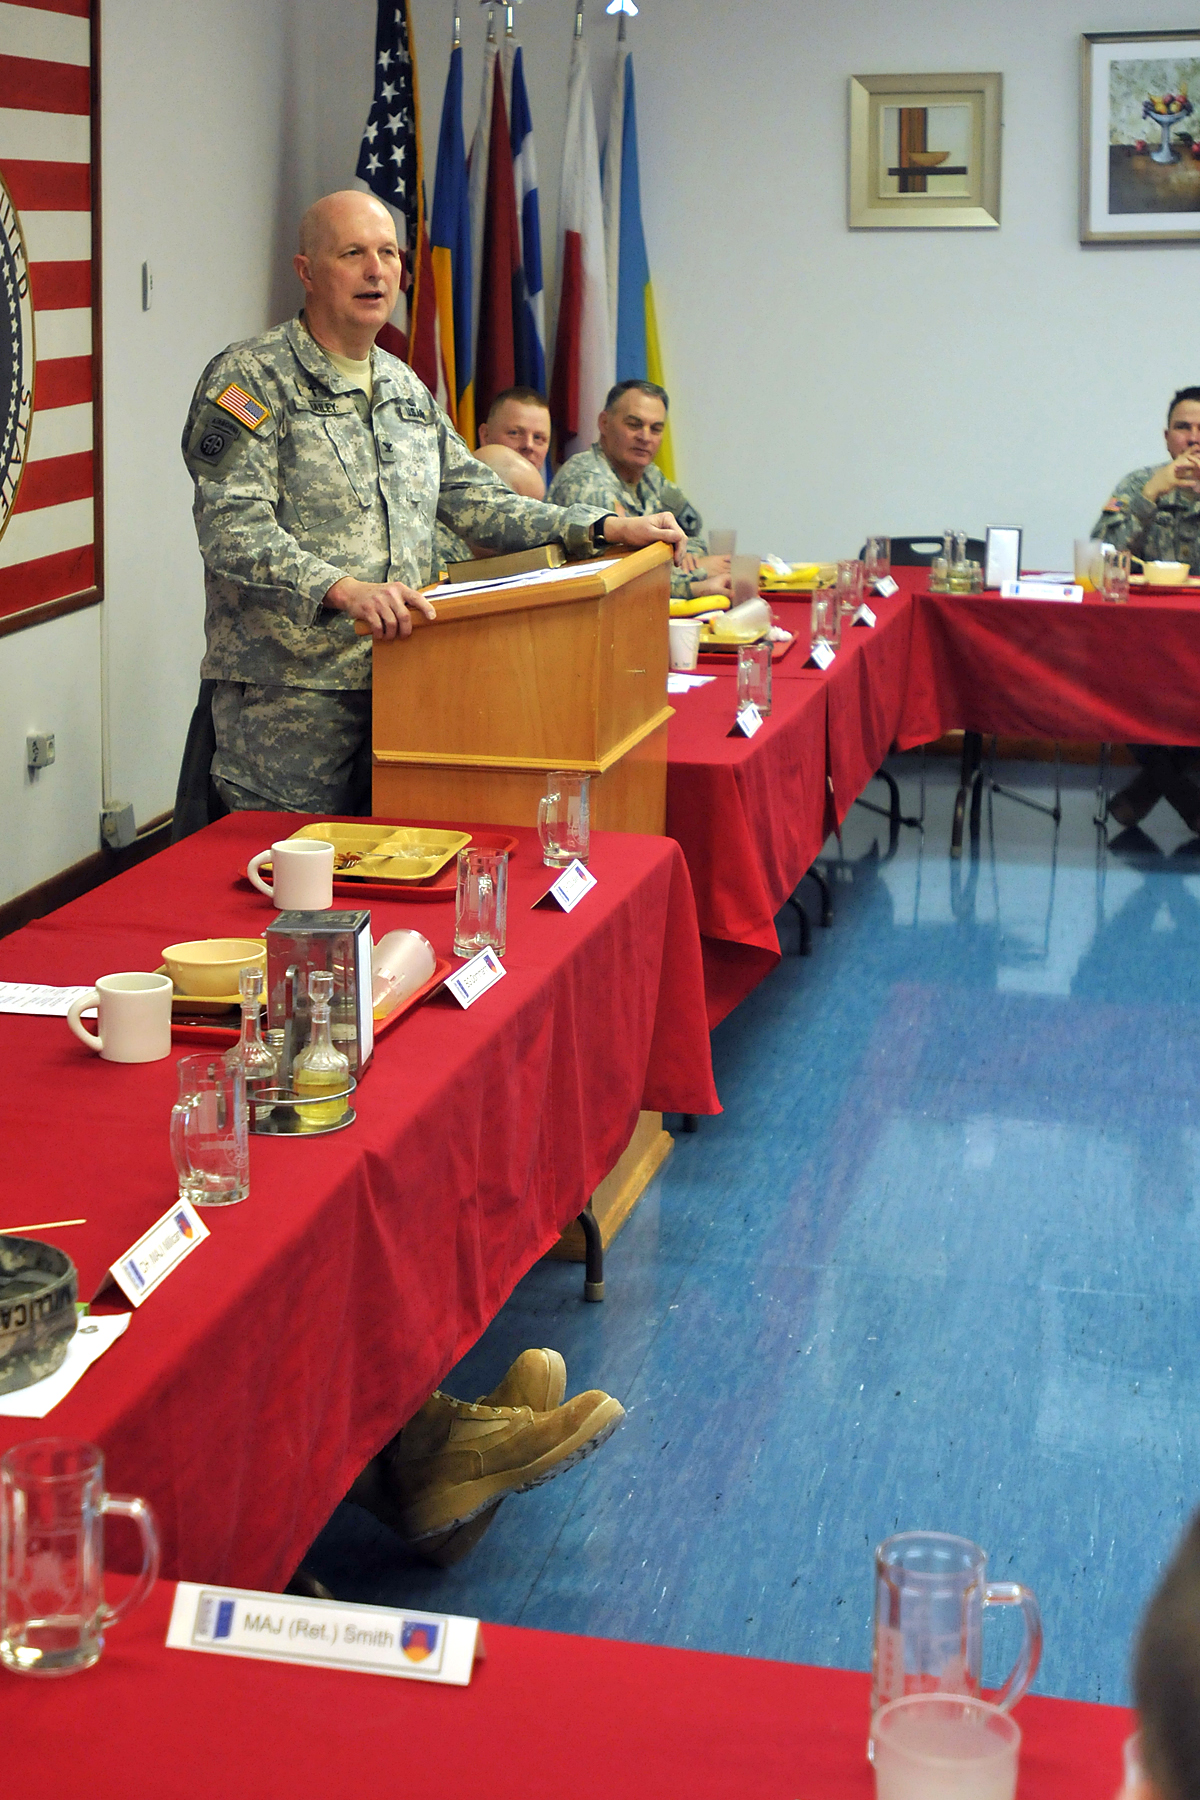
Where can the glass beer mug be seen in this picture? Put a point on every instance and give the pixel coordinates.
(930, 1592)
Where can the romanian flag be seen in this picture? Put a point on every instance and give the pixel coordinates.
(450, 235)
(583, 359)
(630, 295)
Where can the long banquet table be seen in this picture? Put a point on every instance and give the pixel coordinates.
(546, 1716)
(251, 1388)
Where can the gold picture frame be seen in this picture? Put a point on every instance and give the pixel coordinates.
(1140, 138)
(925, 152)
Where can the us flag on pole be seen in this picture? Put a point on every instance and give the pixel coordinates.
(390, 162)
(47, 508)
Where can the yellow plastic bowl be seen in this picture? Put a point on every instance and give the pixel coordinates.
(212, 966)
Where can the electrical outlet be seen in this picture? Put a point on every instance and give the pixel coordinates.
(39, 749)
(118, 827)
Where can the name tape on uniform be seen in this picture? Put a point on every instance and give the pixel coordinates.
(159, 1251)
(864, 616)
(1041, 590)
(822, 654)
(748, 721)
(476, 977)
(375, 1640)
(566, 893)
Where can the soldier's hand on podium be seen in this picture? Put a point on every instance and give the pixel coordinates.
(653, 528)
(384, 606)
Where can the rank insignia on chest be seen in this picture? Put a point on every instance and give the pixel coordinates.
(243, 406)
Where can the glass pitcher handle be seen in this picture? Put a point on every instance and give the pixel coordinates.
(1011, 1593)
(181, 1116)
(126, 1506)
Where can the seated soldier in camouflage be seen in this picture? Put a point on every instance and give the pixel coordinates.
(619, 471)
(1155, 513)
(517, 472)
(321, 465)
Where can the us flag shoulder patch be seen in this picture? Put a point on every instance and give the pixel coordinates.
(243, 406)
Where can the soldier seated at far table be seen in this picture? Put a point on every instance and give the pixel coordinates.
(618, 472)
(1155, 514)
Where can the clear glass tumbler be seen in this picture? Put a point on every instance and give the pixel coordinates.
(481, 902)
(754, 677)
(210, 1134)
(877, 559)
(564, 820)
(1116, 576)
(850, 584)
(53, 1614)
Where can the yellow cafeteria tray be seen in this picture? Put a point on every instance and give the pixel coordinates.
(387, 853)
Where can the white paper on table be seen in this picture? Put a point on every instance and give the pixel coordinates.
(37, 1000)
(681, 684)
(97, 1333)
(538, 578)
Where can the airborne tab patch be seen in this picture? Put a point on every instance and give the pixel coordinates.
(243, 406)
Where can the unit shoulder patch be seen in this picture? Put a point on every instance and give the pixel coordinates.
(243, 406)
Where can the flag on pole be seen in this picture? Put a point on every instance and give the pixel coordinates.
(450, 238)
(630, 294)
(582, 345)
(390, 163)
(500, 285)
(530, 322)
(477, 186)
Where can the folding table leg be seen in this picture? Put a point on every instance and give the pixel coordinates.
(805, 928)
(1100, 816)
(689, 1122)
(817, 874)
(593, 1269)
(970, 780)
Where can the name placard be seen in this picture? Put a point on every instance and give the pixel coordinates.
(1041, 590)
(864, 616)
(374, 1640)
(822, 655)
(159, 1251)
(887, 587)
(566, 893)
(476, 977)
(748, 721)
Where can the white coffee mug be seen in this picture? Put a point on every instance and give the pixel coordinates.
(134, 1017)
(301, 872)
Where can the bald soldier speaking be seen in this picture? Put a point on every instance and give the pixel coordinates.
(321, 464)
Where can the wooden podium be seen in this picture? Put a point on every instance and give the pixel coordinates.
(470, 714)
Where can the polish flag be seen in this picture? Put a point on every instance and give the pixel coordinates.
(583, 354)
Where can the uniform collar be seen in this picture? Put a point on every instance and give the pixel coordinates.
(631, 487)
(313, 359)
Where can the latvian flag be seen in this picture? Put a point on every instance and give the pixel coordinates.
(47, 522)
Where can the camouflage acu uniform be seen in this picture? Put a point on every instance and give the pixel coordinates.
(1162, 530)
(301, 480)
(448, 548)
(589, 479)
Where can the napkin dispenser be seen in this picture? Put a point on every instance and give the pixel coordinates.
(299, 943)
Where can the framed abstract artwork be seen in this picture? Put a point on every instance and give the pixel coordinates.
(49, 398)
(925, 152)
(1140, 155)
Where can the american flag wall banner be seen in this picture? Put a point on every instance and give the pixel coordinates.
(47, 417)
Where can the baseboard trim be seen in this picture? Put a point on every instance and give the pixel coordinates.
(91, 872)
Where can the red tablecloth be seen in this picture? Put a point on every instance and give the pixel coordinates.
(252, 1387)
(1039, 668)
(546, 1717)
(749, 814)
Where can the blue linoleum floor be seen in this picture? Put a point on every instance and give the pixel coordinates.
(936, 1266)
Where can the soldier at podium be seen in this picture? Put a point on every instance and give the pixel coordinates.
(321, 465)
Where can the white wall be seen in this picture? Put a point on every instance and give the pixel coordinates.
(826, 383)
(196, 177)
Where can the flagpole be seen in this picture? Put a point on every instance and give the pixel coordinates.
(456, 32)
(621, 28)
(579, 19)
(508, 22)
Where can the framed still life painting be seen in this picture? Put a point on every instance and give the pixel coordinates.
(1140, 155)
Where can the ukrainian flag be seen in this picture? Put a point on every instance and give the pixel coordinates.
(630, 292)
(450, 237)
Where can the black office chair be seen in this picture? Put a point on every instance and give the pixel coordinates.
(919, 552)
